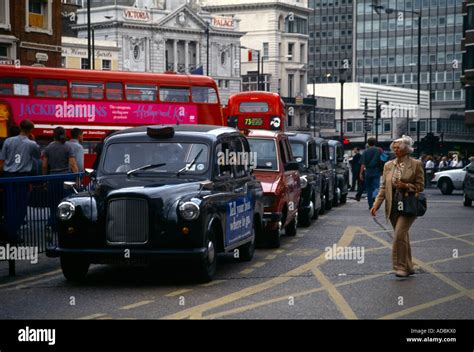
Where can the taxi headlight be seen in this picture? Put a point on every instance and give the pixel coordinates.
(303, 182)
(189, 211)
(66, 211)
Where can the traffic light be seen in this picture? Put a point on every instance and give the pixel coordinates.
(346, 141)
(430, 143)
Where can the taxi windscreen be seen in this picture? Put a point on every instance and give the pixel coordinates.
(157, 158)
(266, 153)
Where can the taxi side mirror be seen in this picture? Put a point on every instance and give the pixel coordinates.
(70, 185)
(91, 172)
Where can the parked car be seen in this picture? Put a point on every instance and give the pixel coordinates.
(336, 152)
(304, 150)
(468, 185)
(163, 193)
(449, 180)
(277, 170)
(328, 173)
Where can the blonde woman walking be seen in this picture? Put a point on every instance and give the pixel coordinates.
(403, 174)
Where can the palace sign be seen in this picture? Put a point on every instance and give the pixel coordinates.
(223, 22)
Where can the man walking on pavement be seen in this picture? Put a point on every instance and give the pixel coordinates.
(370, 170)
(77, 149)
(18, 158)
(355, 166)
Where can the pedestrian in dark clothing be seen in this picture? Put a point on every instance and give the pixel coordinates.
(58, 158)
(17, 159)
(77, 148)
(370, 170)
(355, 166)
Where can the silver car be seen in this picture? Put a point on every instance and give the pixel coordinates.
(449, 180)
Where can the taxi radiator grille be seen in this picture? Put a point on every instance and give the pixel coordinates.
(127, 221)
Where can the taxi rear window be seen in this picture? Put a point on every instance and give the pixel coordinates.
(253, 107)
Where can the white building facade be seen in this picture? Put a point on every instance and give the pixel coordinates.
(75, 54)
(278, 30)
(171, 35)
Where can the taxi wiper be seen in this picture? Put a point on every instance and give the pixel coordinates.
(145, 167)
(190, 165)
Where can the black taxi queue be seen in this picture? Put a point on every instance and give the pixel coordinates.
(183, 193)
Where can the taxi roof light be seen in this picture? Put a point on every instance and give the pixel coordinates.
(160, 132)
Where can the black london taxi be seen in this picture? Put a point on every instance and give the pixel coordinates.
(164, 192)
(336, 150)
(328, 173)
(304, 151)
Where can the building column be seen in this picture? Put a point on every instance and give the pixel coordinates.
(147, 55)
(198, 54)
(186, 56)
(165, 69)
(175, 55)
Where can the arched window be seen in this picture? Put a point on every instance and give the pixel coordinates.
(281, 23)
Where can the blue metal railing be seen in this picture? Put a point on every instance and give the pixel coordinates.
(28, 209)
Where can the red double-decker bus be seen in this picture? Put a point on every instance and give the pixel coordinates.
(102, 101)
(256, 110)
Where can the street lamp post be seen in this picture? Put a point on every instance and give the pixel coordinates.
(342, 81)
(89, 44)
(93, 47)
(377, 117)
(258, 69)
(258, 63)
(207, 48)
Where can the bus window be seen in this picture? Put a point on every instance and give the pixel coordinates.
(168, 94)
(253, 107)
(114, 91)
(141, 92)
(87, 90)
(14, 86)
(204, 95)
(53, 88)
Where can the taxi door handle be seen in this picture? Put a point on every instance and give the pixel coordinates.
(242, 189)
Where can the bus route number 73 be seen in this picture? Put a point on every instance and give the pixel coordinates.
(253, 122)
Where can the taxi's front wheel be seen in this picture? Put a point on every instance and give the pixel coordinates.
(247, 251)
(208, 264)
(74, 268)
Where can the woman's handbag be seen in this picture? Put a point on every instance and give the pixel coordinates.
(410, 203)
